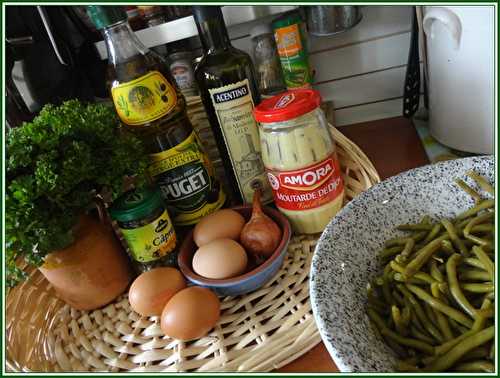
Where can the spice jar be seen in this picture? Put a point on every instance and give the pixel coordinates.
(146, 226)
(300, 159)
(266, 60)
(181, 68)
(291, 40)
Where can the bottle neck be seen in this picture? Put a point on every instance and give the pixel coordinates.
(122, 43)
(213, 34)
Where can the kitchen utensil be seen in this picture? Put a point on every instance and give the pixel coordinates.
(345, 259)
(460, 53)
(411, 96)
(323, 20)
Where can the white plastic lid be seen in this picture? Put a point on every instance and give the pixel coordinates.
(260, 29)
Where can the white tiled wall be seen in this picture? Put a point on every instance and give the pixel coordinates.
(362, 70)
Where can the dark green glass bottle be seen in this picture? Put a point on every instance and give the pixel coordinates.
(228, 88)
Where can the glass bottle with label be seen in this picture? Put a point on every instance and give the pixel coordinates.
(228, 88)
(150, 105)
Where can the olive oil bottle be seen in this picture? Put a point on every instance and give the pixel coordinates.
(150, 105)
(226, 79)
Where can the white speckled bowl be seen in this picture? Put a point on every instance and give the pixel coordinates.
(345, 257)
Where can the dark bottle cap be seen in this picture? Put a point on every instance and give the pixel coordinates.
(206, 12)
(104, 16)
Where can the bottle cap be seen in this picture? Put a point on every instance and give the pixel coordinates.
(136, 204)
(287, 106)
(260, 29)
(103, 16)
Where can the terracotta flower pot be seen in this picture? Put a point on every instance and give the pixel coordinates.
(91, 272)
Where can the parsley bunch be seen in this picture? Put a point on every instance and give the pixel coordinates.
(55, 166)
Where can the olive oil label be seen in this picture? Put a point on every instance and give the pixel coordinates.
(234, 109)
(144, 99)
(152, 241)
(187, 181)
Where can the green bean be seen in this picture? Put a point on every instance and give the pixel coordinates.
(402, 241)
(477, 353)
(419, 311)
(475, 366)
(423, 255)
(398, 322)
(486, 287)
(477, 221)
(400, 351)
(432, 234)
(406, 316)
(398, 298)
(485, 261)
(457, 242)
(396, 267)
(401, 260)
(456, 291)
(481, 182)
(478, 325)
(386, 291)
(474, 275)
(418, 279)
(416, 344)
(403, 366)
(451, 357)
(457, 327)
(389, 252)
(482, 228)
(490, 296)
(415, 227)
(421, 336)
(440, 306)
(447, 247)
(483, 205)
(474, 262)
(467, 189)
(435, 272)
(406, 252)
(492, 351)
(443, 325)
(398, 241)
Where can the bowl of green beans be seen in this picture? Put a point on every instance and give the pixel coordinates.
(403, 278)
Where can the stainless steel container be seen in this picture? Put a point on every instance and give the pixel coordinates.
(331, 19)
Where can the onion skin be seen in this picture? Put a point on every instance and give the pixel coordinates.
(261, 235)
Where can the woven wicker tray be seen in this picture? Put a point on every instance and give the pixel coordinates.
(260, 331)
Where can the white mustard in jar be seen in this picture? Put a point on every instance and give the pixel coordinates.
(300, 159)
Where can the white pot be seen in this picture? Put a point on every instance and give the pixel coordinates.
(460, 64)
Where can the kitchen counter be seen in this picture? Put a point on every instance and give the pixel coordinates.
(393, 146)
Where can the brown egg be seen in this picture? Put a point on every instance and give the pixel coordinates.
(190, 314)
(150, 291)
(219, 259)
(222, 224)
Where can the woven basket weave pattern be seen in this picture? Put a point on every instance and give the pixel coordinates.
(260, 331)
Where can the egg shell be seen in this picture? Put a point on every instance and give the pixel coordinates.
(149, 293)
(223, 224)
(219, 259)
(190, 314)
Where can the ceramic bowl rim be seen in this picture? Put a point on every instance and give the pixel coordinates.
(343, 365)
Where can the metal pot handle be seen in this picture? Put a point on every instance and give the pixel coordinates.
(446, 17)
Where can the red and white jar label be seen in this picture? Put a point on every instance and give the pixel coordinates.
(309, 187)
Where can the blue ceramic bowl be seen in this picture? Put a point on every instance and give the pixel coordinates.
(255, 276)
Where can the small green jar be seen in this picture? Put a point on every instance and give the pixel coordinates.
(291, 41)
(146, 226)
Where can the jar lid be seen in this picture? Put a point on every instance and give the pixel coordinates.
(136, 204)
(287, 105)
